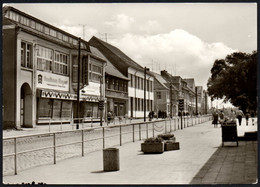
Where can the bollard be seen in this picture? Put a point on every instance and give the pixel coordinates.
(111, 159)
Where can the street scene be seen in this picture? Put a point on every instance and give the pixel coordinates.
(136, 94)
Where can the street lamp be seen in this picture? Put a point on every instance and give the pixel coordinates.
(78, 85)
(145, 69)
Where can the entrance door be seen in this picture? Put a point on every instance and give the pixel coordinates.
(26, 106)
(116, 109)
(22, 111)
(121, 110)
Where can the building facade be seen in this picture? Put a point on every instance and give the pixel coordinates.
(140, 85)
(40, 72)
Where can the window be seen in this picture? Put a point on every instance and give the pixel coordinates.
(14, 16)
(142, 83)
(26, 55)
(39, 27)
(47, 30)
(159, 96)
(61, 63)
(44, 59)
(132, 80)
(32, 24)
(53, 33)
(95, 72)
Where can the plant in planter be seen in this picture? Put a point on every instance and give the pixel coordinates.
(152, 145)
(166, 136)
(169, 142)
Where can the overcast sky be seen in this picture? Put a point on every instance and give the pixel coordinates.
(185, 39)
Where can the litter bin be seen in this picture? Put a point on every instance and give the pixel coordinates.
(111, 159)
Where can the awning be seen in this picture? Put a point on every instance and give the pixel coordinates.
(53, 94)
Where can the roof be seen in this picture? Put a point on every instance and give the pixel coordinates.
(125, 59)
(162, 81)
(109, 69)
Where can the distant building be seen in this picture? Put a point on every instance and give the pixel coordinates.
(40, 73)
(135, 73)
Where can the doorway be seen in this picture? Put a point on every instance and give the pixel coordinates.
(26, 106)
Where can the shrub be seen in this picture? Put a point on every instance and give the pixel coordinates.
(153, 140)
(165, 136)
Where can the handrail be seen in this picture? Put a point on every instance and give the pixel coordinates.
(173, 122)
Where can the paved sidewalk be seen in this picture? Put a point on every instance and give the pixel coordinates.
(198, 146)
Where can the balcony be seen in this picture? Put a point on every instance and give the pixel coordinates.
(116, 94)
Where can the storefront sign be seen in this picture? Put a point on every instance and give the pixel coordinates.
(52, 81)
(91, 89)
(58, 95)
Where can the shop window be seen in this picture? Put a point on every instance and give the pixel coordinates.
(44, 108)
(56, 113)
(66, 109)
(26, 55)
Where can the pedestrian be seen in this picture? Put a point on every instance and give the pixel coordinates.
(109, 117)
(150, 115)
(239, 115)
(215, 119)
(247, 118)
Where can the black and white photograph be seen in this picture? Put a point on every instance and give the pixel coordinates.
(136, 93)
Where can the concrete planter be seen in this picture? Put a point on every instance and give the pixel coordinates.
(171, 146)
(157, 147)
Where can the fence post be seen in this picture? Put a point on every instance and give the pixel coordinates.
(15, 156)
(54, 147)
(120, 132)
(139, 132)
(133, 132)
(91, 122)
(103, 137)
(146, 130)
(82, 133)
(170, 125)
(153, 129)
(49, 124)
(165, 126)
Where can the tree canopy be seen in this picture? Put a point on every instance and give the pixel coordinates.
(234, 79)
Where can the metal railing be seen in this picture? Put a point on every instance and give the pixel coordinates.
(80, 139)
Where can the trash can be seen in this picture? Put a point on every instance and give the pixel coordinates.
(111, 159)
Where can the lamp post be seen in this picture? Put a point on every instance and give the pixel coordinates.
(78, 85)
(145, 69)
(101, 101)
(196, 94)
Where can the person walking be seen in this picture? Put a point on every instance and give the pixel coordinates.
(215, 119)
(239, 114)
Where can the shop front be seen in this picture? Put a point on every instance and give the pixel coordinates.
(54, 102)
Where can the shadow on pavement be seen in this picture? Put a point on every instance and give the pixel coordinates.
(230, 165)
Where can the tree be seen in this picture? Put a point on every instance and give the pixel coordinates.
(234, 79)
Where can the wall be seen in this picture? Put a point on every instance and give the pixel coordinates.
(9, 78)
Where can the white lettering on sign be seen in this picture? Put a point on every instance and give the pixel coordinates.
(52, 81)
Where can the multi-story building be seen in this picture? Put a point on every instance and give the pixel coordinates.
(140, 86)
(40, 72)
(161, 95)
(192, 101)
(116, 89)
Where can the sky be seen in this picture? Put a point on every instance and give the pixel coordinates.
(183, 38)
